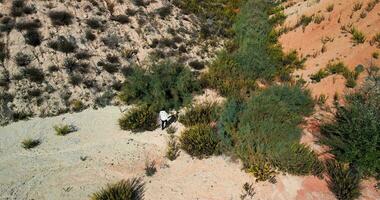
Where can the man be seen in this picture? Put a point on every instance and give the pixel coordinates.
(164, 117)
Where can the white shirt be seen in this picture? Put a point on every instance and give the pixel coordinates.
(164, 115)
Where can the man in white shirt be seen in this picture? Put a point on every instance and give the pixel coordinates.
(164, 117)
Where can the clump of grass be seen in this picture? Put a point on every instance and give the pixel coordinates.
(304, 21)
(30, 143)
(33, 37)
(376, 40)
(358, 37)
(357, 6)
(199, 141)
(123, 19)
(150, 168)
(131, 189)
(371, 5)
(96, 23)
(63, 44)
(64, 129)
(164, 11)
(172, 151)
(34, 74)
(319, 75)
(318, 18)
(330, 8)
(28, 25)
(138, 119)
(22, 59)
(343, 181)
(60, 18)
(112, 41)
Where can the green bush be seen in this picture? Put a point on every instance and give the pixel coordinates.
(319, 75)
(165, 85)
(266, 126)
(354, 136)
(131, 189)
(64, 129)
(199, 141)
(30, 143)
(343, 181)
(199, 114)
(172, 151)
(139, 119)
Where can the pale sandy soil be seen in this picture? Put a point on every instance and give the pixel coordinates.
(308, 42)
(54, 169)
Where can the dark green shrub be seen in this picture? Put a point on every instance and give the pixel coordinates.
(199, 141)
(22, 59)
(30, 143)
(354, 136)
(204, 113)
(139, 119)
(123, 19)
(165, 85)
(343, 181)
(33, 37)
(60, 18)
(28, 25)
(63, 44)
(132, 189)
(34, 74)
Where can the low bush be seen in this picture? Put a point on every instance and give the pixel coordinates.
(172, 151)
(28, 25)
(96, 23)
(204, 113)
(376, 40)
(200, 141)
(358, 37)
(33, 37)
(7, 24)
(22, 59)
(139, 119)
(90, 36)
(197, 65)
(63, 44)
(319, 75)
(30, 143)
(131, 189)
(150, 168)
(64, 129)
(165, 85)
(122, 19)
(164, 11)
(60, 18)
(17, 8)
(34, 74)
(354, 136)
(343, 181)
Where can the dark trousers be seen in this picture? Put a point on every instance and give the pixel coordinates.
(164, 124)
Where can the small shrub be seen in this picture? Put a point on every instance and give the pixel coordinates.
(75, 79)
(343, 181)
(357, 6)
(330, 8)
(33, 37)
(60, 18)
(376, 40)
(199, 141)
(30, 143)
(96, 23)
(64, 129)
(123, 19)
(34, 74)
(375, 55)
(7, 24)
(28, 25)
(77, 105)
(199, 114)
(357, 36)
(17, 9)
(150, 168)
(83, 55)
(111, 41)
(63, 44)
(172, 151)
(132, 189)
(164, 11)
(90, 36)
(197, 65)
(318, 18)
(262, 170)
(22, 59)
(319, 75)
(105, 98)
(138, 119)
(304, 21)
(248, 191)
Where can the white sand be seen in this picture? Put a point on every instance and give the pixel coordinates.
(54, 170)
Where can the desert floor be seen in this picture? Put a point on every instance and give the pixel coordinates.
(55, 170)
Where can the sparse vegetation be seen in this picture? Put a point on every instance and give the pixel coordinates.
(376, 40)
(30, 143)
(34, 74)
(371, 5)
(22, 59)
(63, 44)
(172, 151)
(131, 189)
(357, 6)
(150, 168)
(64, 129)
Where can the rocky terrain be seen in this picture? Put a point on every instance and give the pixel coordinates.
(60, 56)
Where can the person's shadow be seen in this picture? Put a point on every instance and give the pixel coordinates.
(172, 119)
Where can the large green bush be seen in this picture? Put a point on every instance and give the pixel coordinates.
(354, 135)
(165, 85)
(131, 189)
(266, 126)
(199, 141)
(254, 52)
(139, 119)
(199, 114)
